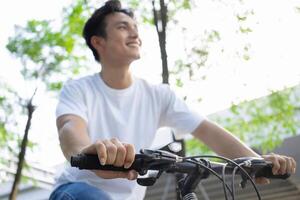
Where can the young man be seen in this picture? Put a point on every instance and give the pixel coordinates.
(114, 114)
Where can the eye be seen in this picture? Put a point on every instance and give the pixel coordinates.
(121, 27)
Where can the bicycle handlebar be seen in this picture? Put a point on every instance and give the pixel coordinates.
(165, 161)
(195, 170)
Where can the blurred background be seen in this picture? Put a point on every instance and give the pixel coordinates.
(236, 62)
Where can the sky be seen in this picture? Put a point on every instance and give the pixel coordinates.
(274, 57)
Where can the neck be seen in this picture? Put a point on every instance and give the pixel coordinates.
(117, 77)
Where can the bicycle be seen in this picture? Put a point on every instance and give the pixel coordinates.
(194, 169)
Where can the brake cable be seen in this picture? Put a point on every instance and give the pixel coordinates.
(245, 173)
(210, 170)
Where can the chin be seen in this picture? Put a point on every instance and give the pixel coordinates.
(135, 56)
(138, 57)
(134, 59)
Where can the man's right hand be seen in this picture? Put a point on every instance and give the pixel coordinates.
(113, 152)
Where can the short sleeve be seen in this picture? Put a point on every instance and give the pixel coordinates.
(72, 101)
(176, 114)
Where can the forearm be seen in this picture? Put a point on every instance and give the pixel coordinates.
(221, 141)
(73, 138)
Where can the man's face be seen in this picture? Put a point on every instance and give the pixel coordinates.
(122, 39)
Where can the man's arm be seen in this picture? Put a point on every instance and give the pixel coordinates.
(73, 134)
(224, 143)
(74, 139)
(221, 141)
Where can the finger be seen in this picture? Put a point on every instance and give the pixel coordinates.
(262, 181)
(289, 165)
(283, 165)
(275, 162)
(294, 165)
(121, 153)
(97, 148)
(111, 151)
(132, 175)
(90, 149)
(112, 174)
(130, 155)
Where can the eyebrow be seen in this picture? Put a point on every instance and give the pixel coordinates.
(124, 23)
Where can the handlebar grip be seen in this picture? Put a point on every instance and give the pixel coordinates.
(91, 161)
(267, 173)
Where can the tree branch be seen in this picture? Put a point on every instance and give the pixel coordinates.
(21, 157)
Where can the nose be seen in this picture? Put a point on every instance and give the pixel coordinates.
(134, 33)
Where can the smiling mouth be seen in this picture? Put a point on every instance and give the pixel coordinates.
(133, 44)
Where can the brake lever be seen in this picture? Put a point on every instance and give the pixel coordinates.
(150, 160)
(161, 154)
(149, 181)
(157, 160)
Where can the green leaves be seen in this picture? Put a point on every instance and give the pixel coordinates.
(45, 48)
(134, 4)
(262, 123)
(3, 135)
(186, 4)
(195, 147)
(7, 122)
(245, 30)
(265, 122)
(241, 18)
(179, 83)
(194, 58)
(75, 16)
(55, 86)
(182, 4)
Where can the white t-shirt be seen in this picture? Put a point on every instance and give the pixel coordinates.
(132, 115)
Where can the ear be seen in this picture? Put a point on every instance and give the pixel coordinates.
(97, 42)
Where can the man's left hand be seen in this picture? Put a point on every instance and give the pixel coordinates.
(281, 165)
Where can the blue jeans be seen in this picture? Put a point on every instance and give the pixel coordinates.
(78, 191)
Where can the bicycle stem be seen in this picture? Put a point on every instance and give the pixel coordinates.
(188, 184)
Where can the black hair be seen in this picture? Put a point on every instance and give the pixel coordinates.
(96, 25)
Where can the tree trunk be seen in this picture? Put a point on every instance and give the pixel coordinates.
(21, 157)
(160, 21)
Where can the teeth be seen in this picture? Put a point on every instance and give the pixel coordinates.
(133, 44)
